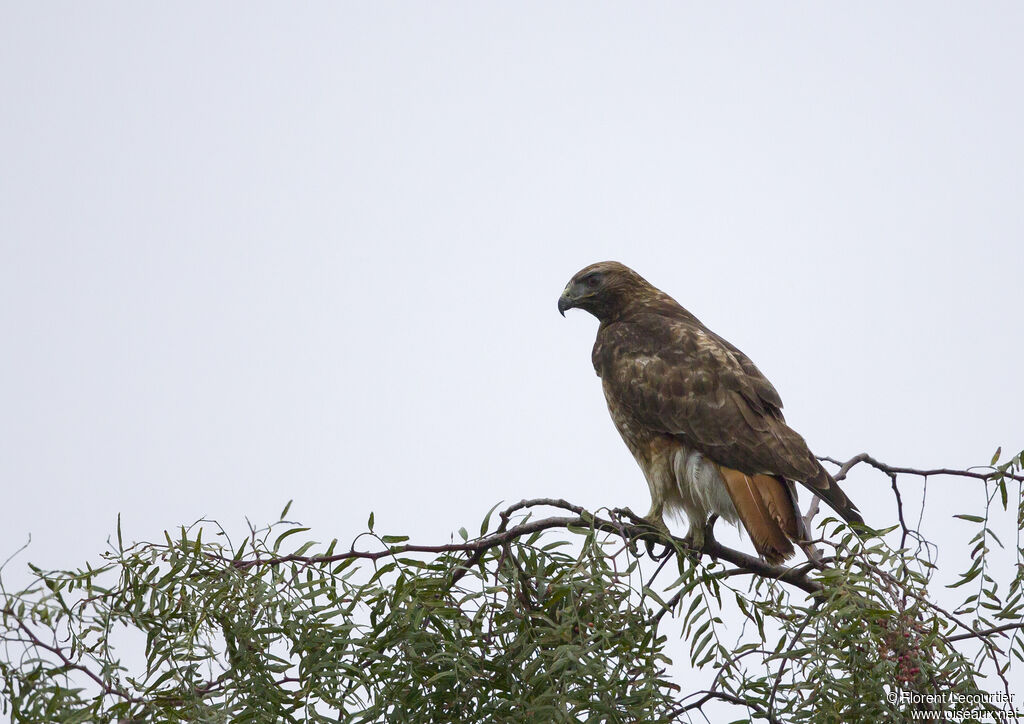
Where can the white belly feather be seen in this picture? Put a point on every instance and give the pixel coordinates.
(700, 487)
(682, 480)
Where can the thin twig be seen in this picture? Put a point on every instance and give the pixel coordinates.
(723, 696)
(845, 467)
(106, 687)
(986, 632)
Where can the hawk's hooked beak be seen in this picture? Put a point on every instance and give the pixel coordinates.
(565, 301)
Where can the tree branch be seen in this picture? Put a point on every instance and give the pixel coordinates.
(845, 467)
(640, 529)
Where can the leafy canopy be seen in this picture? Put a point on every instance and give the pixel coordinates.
(564, 618)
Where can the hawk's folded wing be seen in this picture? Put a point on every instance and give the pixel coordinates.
(677, 377)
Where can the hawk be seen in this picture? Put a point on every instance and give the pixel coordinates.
(704, 424)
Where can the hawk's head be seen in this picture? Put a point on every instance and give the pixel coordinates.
(603, 289)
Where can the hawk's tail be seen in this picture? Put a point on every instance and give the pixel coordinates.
(767, 509)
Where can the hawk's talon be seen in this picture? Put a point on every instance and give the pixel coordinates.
(660, 531)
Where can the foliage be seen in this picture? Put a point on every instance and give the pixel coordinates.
(551, 619)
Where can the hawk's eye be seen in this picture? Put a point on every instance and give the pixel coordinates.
(592, 280)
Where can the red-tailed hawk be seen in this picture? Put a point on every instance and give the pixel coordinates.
(702, 421)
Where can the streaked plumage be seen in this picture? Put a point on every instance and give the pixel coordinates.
(702, 421)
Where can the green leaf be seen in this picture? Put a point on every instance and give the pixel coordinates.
(285, 511)
(345, 563)
(969, 576)
(995, 456)
(293, 531)
(487, 518)
(971, 518)
(369, 521)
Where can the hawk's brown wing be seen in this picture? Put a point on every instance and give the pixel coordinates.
(677, 377)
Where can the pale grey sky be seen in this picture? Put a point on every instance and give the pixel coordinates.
(252, 252)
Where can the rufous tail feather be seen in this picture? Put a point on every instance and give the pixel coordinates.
(766, 511)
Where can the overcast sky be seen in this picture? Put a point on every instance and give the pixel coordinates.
(252, 252)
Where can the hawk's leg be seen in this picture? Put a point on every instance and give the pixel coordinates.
(655, 517)
(700, 534)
